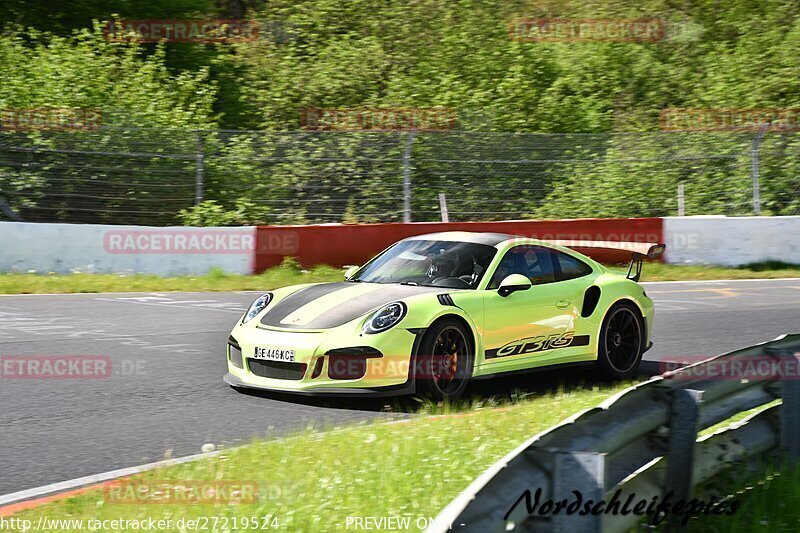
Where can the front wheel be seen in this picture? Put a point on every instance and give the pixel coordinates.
(621, 342)
(444, 362)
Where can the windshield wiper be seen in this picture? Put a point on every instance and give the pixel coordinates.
(354, 280)
(412, 283)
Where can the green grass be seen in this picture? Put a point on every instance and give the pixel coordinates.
(771, 504)
(290, 274)
(737, 418)
(314, 480)
(216, 280)
(768, 270)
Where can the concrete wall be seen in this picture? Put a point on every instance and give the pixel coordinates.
(732, 241)
(64, 248)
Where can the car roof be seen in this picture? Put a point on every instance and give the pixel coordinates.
(490, 239)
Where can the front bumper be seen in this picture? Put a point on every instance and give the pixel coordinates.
(340, 361)
(375, 392)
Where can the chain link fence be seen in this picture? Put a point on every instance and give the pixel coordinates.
(158, 177)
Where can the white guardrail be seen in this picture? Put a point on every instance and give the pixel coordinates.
(642, 441)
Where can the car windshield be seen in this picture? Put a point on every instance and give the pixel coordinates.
(456, 265)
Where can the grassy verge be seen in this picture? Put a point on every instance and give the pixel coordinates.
(769, 270)
(314, 481)
(216, 280)
(290, 274)
(769, 504)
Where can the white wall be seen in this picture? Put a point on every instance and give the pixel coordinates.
(732, 241)
(64, 248)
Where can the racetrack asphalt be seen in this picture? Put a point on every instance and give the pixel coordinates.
(165, 395)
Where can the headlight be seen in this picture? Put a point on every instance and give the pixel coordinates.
(385, 317)
(256, 307)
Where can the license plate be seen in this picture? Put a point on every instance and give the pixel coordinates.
(273, 354)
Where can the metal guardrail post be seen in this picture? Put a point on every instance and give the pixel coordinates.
(407, 175)
(790, 407)
(683, 426)
(583, 471)
(618, 445)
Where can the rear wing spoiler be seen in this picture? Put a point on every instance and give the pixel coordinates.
(639, 250)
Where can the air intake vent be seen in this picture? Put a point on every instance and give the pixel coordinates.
(235, 353)
(590, 299)
(277, 369)
(445, 299)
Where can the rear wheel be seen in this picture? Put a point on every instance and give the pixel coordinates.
(445, 359)
(621, 342)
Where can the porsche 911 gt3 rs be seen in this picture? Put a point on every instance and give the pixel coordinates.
(432, 312)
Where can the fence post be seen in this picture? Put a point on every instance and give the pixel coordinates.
(200, 168)
(7, 211)
(443, 207)
(756, 154)
(681, 201)
(684, 418)
(407, 176)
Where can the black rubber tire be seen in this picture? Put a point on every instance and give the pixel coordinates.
(429, 362)
(621, 342)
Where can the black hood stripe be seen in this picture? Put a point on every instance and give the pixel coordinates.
(343, 313)
(298, 299)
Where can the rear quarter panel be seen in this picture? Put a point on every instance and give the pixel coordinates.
(615, 288)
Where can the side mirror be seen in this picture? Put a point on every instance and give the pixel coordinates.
(350, 272)
(513, 283)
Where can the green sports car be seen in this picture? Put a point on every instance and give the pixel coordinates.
(432, 312)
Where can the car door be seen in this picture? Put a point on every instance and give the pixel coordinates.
(527, 327)
(573, 277)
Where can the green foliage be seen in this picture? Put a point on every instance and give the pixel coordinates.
(209, 213)
(372, 53)
(63, 18)
(326, 53)
(131, 89)
(86, 71)
(289, 265)
(460, 54)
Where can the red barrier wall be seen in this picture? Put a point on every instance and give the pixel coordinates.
(346, 244)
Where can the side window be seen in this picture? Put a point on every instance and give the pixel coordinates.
(568, 267)
(533, 262)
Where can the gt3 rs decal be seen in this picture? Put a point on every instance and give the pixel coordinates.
(538, 344)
